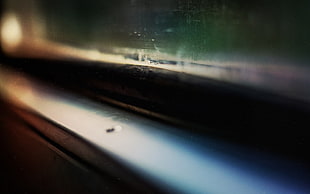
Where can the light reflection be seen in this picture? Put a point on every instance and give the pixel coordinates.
(151, 149)
(11, 32)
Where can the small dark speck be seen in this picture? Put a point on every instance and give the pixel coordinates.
(116, 128)
(110, 130)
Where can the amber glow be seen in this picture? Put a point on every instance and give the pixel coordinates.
(11, 32)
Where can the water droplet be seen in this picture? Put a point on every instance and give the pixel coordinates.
(118, 128)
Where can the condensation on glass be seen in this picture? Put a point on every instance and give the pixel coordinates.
(261, 44)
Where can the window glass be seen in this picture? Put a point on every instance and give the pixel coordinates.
(262, 44)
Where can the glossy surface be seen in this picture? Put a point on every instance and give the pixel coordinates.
(164, 155)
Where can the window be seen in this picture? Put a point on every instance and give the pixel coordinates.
(224, 71)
